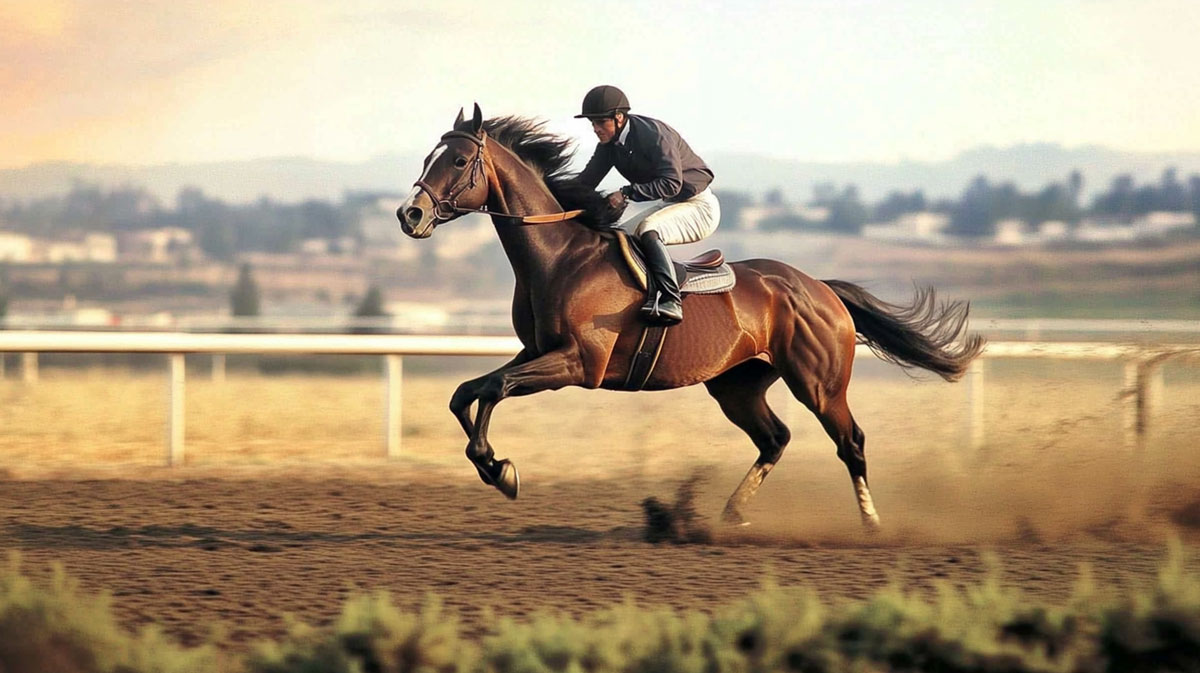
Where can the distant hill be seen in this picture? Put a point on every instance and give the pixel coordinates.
(287, 179)
(293, 179)
(1029, 166)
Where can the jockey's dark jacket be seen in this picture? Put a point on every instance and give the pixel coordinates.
(655, 160)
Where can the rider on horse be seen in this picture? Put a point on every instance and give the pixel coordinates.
(660, 167)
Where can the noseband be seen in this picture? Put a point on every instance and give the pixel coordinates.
(447, 209)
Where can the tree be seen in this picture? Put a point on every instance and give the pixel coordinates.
(898, 203)
(1075, 186)
(975, 212)
(1054, 202)
(245, 297)
(847, 214)
(1194, 195)
(371, 305)
(1172, 195)
(1117, 202)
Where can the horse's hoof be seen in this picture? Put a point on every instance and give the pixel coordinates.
(871, 525)
(732, 518)
(509, 482)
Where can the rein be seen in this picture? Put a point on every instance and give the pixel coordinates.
(447, 209)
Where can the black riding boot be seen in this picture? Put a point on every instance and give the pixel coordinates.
(663, 306)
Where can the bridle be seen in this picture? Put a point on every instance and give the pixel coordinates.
(446, 209)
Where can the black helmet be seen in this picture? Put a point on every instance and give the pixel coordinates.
(603, 101)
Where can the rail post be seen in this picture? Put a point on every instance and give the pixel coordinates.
(1134, 396)
(394, 380)
(218, 368)
(975, 396)
(175, 408)
(1154, 388)
(29, 367)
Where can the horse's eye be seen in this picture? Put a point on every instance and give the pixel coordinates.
(460, 162)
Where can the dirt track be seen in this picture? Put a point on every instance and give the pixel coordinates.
(242, 543)
(188, 553)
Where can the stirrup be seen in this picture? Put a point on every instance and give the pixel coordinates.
(653, 313)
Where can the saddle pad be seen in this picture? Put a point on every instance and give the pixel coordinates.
(692, 280)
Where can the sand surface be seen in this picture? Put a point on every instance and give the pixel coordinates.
(311, 518)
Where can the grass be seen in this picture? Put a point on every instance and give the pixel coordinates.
(985, 627)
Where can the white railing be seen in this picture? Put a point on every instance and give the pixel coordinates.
(1140, 394)
(175, 345)
(1142, 383)
(1034, 329)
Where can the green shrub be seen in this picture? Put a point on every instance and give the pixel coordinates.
(55, 628)
(1157, 629)
(986, 628)
(373, 636)
(624, 638)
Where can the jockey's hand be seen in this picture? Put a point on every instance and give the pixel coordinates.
(617, 200)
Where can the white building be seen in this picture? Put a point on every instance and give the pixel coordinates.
(1157, 224)
(1010, 232)
(15, 247)
(159, 246)
(93, 247)
(920, 227)
(1092, 231)
(1053, 230)
(100, 247)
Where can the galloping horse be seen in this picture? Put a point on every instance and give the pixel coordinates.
(575, 310)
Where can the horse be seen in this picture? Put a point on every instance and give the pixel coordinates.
(575, 310)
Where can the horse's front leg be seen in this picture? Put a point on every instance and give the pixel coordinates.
(466, 395)
(552, 371)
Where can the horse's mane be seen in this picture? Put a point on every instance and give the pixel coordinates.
(551, 156)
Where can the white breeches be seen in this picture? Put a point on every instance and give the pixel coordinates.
(682, 222)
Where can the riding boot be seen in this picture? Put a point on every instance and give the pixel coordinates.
(663, 305)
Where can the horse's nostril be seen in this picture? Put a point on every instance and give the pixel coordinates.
(413, 215)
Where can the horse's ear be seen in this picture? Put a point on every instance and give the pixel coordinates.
(477, 121)
(459, 120)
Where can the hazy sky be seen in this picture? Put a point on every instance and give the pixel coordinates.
(151, 81)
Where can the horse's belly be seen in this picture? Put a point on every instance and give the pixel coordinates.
(709, 341)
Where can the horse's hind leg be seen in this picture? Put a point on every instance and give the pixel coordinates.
(741, 392)
(839, 424)
(851, 444)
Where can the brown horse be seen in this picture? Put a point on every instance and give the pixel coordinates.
(575, 310)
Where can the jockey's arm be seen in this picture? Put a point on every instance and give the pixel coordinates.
(597, 167)
(668, 175)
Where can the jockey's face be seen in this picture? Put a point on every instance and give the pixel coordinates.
(606, 128)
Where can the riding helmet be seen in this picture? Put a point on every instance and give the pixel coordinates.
(603, 101)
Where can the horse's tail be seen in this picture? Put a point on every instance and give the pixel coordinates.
(922, 334)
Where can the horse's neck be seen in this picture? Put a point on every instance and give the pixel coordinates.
(533, 249)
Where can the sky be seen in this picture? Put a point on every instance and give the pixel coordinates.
(161, 81)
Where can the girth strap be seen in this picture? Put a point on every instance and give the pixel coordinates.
(644, 360)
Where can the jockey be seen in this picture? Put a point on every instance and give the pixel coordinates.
(661, 168)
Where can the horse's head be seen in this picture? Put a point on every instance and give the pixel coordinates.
(454, 180)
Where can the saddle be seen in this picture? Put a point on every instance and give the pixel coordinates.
(706, 273)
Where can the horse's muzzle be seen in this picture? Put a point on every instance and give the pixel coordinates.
(415, 220)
